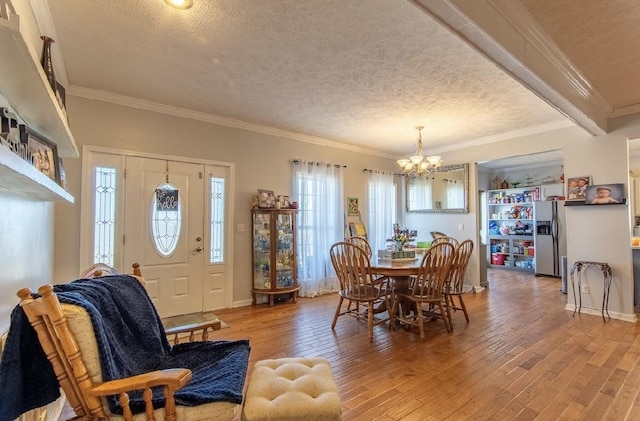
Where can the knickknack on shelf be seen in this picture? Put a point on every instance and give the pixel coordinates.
(31, 94)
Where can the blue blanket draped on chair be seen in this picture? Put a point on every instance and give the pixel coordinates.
(131, 340)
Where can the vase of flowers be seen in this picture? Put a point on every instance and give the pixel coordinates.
(399, 238)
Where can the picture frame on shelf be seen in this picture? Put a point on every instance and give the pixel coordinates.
(61, 96)
(352, 206)
(284, 201)
(605, 194)
(577, 188)
(63, 175)
(266, 199)
(43, 155)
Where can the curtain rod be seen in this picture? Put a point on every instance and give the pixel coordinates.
(317, 163)
(380, 171)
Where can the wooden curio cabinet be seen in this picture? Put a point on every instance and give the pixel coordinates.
(275, 270)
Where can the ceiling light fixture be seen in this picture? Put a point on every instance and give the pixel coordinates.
(180, 4)
(420, 164)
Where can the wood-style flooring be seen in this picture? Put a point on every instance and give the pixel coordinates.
(522, 356)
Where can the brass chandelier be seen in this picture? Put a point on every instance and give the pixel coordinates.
(419, 164)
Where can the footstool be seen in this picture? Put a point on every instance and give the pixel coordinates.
(292, 389)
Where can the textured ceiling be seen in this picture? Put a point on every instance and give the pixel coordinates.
(363, 72)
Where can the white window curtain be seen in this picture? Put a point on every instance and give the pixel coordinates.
(382, 208)
(421, 194)
(318, 189)
(455, 194)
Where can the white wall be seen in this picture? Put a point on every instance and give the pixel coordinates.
(26, 249)
(26, 226)
(262, 161)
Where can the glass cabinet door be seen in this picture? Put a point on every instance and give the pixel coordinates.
(274, 255)
(261, 251)
(284, 250)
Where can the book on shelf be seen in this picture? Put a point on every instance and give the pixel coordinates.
(357, 229)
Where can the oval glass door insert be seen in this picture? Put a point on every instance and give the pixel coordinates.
(166, 219)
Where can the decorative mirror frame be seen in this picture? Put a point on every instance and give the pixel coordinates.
(444, 168)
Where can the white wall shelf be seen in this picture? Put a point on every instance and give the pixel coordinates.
(17, 175)
(26, 88)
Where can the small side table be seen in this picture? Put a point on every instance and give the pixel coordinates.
(607, 275)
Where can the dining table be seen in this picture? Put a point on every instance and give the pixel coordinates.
(399, 271)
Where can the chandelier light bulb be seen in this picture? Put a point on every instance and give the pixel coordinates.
(416, 159)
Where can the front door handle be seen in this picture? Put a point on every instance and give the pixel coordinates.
(197, 250)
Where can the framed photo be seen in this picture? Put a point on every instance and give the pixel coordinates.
(605, 194)
(266, 199)
(44, 155)
(577, 188)
(352, 206)
(63, 175)
(61, 95)
(284, 202)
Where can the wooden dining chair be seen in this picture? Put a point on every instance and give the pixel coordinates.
(437, 234)
(455, 285)
(427, 291)
(358, 285)
(362, 242)
(445, 239)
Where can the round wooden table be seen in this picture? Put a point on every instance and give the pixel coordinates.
(398, 270)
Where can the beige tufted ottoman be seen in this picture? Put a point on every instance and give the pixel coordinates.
(292, 389)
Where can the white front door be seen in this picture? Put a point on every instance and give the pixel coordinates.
(168, 239)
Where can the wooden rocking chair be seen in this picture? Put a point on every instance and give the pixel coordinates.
(66, 335)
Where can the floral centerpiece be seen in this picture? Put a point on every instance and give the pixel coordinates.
(399, 237)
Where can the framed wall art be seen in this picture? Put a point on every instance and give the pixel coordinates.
(44, 155)
(577, 188)
(352, 206)
(605, 194)
(266, 199)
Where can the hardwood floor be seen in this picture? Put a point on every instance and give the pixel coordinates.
(522, 357)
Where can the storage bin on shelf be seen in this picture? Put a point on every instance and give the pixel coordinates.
(497, 259)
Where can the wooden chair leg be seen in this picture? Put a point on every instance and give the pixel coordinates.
(420, 320)
(464, 308)
(446, 317)
(335, 317)
(370, 318)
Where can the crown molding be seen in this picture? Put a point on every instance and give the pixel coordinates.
(505, 33)
(126, 101)
(527, 131)
(628, 110)
(97, 95)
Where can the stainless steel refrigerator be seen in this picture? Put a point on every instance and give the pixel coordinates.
(550, 241)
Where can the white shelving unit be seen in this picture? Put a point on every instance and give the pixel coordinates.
(26, 88)
(513, 210)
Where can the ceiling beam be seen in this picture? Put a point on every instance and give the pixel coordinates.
(504, 32)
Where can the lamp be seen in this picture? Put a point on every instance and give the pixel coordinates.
(419, 164)
(180, 4)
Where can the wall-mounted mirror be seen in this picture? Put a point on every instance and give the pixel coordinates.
(445, 191)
